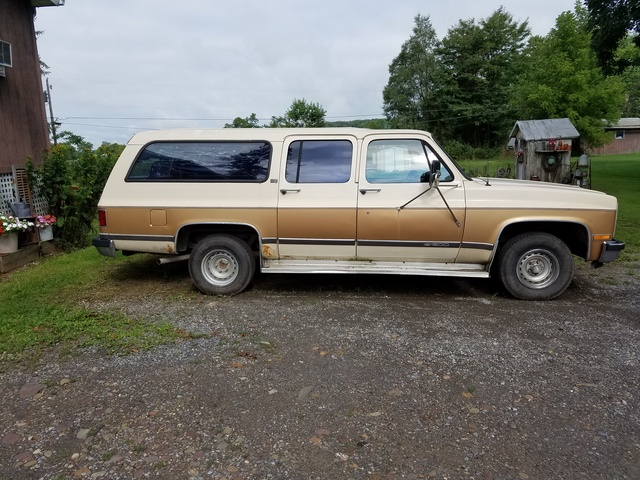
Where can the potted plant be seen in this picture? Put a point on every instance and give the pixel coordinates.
(10, 226)
(43, 223)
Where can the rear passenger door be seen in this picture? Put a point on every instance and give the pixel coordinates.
(317, 198)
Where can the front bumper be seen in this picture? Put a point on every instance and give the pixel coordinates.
(105, 246)
(610, 251)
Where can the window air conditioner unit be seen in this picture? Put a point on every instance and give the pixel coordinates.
(5, 54)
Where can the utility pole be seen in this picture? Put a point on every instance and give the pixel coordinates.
(53, 120)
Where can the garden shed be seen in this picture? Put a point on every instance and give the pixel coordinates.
(543, 149)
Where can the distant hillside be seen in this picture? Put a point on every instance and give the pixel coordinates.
(377, 123)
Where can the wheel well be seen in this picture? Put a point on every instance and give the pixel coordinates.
(574, 235)
(190, 235)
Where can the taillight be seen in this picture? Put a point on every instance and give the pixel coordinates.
(102, 217)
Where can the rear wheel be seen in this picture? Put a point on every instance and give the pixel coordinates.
(535, 266)
(221, 265)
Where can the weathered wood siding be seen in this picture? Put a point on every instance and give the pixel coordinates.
(629, 144)
(23, 122)
(533, 158)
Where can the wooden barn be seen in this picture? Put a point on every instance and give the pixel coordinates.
(23, 123)
(543, 149)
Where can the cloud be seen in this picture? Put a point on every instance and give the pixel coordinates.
(121, 66)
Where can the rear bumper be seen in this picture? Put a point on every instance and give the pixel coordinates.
(610, 251)
(105, 246)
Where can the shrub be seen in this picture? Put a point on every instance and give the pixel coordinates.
(71, 179)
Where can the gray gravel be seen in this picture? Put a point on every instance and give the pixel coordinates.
(340, 377)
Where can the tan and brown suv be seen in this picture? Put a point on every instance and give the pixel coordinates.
(343, 201)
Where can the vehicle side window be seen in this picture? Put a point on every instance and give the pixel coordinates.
(202, 162)
(319, 161)
(400, 161)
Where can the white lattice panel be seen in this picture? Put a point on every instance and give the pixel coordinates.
(39, 205)
(6, 193)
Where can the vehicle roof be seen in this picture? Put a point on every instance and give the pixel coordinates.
(265, 134)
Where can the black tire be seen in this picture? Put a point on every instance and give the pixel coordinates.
(221, 265)
(535, 266)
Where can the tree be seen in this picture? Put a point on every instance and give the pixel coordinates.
(483, 63)
(247, 122)
(629, 54)
(413, 96)
(373, 123)
(301, 114)
(563, 79)
(610, 22)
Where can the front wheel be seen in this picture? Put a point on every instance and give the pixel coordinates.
(535, 266)
(221, 265)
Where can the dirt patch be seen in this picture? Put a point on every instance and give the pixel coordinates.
(334, 377)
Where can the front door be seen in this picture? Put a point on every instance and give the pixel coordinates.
(317, 199)
(394, 225)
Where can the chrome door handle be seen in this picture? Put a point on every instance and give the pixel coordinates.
(284, 191)
(363, 191)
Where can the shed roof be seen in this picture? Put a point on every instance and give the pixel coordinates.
(545, 129)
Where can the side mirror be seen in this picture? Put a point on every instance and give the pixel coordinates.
(434, 174)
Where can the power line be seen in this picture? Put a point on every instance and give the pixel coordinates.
(172, 119)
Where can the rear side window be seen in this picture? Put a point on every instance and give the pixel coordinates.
(202, 162)
(319, 161)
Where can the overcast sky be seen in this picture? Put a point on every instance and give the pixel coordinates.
(122, 66)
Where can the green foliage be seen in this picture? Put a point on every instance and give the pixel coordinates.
(628, 54)
(301, 114)
(563, 80)
(247, 122)
(457, 88)
(71, 179)
(631, 79)
(463, 151)
(483, 62)
(610, 22)
(458, 150)
(414, 96)
(373, 123)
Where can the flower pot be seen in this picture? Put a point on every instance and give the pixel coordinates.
(9, 243)
(46, 234)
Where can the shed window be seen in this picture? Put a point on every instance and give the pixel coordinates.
(619, 134)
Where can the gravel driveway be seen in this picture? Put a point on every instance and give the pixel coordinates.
(341, 377)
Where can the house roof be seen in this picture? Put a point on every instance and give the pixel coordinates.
(545, 129)
(625, 123)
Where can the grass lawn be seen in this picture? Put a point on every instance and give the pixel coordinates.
(619, 175)
(39, 307)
